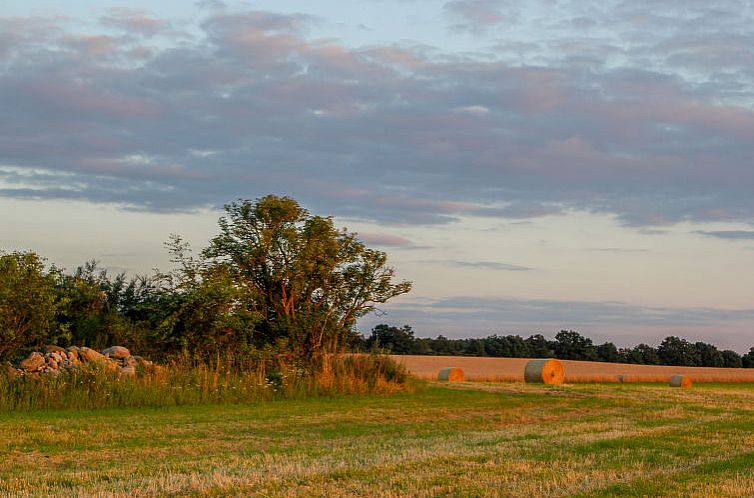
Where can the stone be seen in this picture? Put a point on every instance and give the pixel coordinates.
(51, 363)
(116, 352)
(53, 349)
(127, 371)
(34, 362)
(73, 356)
(91, 355)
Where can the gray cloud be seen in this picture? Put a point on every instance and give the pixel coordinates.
(385, 240)
(488, 265)
(728, 234)
(629, 114)
(476, 16)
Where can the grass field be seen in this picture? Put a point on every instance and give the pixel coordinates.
(444, 440)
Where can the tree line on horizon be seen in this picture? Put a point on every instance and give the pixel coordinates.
(566, 345)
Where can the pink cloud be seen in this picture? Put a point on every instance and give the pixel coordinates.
(134, 21)
(73, 96)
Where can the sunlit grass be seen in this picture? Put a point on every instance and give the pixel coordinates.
(187, 382)
(460, 440)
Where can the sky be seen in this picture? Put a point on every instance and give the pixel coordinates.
(530, 166)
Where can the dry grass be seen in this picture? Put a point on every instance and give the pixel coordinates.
(512, 370)
(459, 439)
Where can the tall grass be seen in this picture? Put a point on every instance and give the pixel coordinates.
(187, 381)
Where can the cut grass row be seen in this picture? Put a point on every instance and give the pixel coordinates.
(445, 440)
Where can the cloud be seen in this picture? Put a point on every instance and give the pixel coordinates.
(629, 115)
(616, 249)
(728, 234)
(384, 240)
(476, 16)
(488, 265)
(133, 21)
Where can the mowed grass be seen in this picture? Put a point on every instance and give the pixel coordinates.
(466, 439)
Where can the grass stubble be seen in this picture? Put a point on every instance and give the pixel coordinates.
(463, 439)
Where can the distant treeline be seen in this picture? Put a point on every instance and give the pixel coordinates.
(567, 345)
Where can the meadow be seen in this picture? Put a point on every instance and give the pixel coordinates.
(459, 439)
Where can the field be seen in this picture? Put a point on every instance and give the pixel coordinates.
(512, 369)
(465, 439)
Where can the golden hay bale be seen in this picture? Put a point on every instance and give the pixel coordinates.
(680, 381)
(545, 371)
(451, 374)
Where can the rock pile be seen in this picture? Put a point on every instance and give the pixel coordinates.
(55, 360)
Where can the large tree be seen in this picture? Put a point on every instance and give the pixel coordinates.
(311, 281)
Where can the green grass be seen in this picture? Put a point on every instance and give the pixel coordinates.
(443, 440)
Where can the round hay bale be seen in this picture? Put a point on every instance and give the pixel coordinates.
(544, 371)
(680, 381)
(451, 374)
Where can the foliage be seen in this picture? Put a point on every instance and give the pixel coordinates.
(392, 339)
(677, 351)
(567, 345)
(570, 345)
(747, 360)
(731, 359)
(641, 354)
(29, 301)
(204, 310)
(275, 279)
(309, 281)
(607, 352)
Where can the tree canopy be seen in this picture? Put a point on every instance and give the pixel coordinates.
(308, 280)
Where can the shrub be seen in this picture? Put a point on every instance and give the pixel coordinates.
(29, 301)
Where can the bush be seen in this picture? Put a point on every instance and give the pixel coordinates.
(29, 300)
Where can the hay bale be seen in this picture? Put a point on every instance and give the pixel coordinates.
(544, 371)
(680, 381)
(451, 374)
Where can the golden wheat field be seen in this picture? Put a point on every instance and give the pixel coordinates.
(512, 369)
